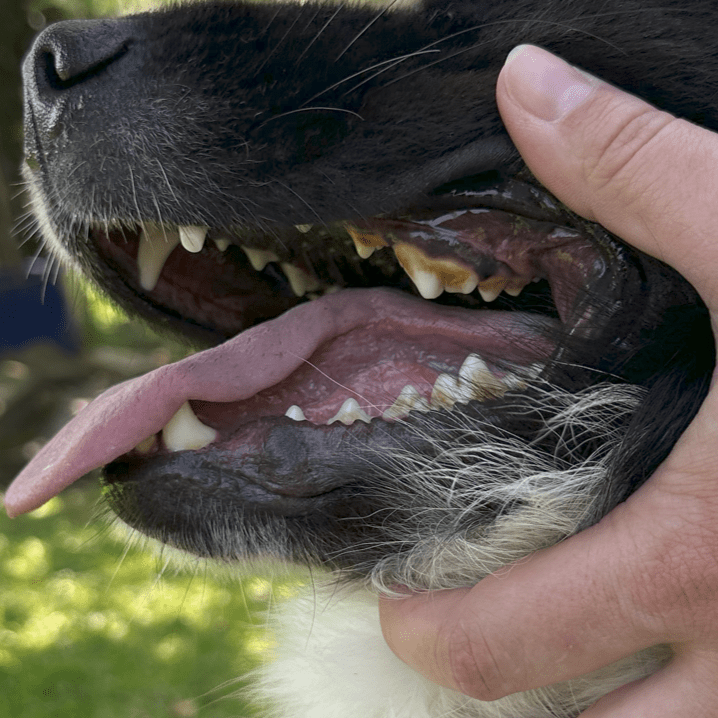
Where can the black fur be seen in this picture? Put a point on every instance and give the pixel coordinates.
(262, 117)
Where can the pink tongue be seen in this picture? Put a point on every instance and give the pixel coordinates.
(128, 413)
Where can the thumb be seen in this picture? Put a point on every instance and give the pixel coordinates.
(643, 174)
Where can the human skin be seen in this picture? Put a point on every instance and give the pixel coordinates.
(648, 572)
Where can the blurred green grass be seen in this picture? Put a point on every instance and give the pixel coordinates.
(88, 630)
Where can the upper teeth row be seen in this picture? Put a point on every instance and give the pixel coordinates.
(434, 275)
(431, 275)
(158, 241)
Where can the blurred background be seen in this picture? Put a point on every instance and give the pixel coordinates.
(89, 626)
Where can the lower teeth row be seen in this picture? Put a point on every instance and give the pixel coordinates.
(184, 431)
(474, 381)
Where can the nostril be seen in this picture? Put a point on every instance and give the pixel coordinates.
(63, 70)
(64, 56)
(69, 52)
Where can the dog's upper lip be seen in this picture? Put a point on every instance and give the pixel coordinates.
(258, 358)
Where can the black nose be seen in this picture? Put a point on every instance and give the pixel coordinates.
(63, 57)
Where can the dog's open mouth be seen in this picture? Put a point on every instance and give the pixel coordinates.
(391, 350)
(337, 326)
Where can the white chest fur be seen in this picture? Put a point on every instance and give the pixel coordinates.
(332, 662)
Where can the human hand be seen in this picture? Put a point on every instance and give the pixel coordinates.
(648, 572)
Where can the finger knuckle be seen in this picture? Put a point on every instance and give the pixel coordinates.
(473, 664)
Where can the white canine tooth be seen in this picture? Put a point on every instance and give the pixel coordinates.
(156, 244)
(222, 244)
(349, 413)
(185, 431)
(408, 400)
(299, 280)
(295, 412)
(192, 237)
(259, 258)
(303, 228)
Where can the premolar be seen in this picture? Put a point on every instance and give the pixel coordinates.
(432, 275)
(365, 243)
(349, 413)
(409, 399)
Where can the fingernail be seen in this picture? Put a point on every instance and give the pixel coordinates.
(545, 85)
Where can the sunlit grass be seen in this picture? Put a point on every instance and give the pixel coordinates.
(88, 633)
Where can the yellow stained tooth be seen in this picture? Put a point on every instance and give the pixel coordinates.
(222, 244)
(448, 275)
(515, 287)
(145, 446)
(408, 400)
(365, 242)
(490, 288)
(428, 283)
(477, 380)
(446, 392)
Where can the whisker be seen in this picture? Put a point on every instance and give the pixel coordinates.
(381, 13)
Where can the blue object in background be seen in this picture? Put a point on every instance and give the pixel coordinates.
(33, 309)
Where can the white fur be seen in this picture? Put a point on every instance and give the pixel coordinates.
(332, 662)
